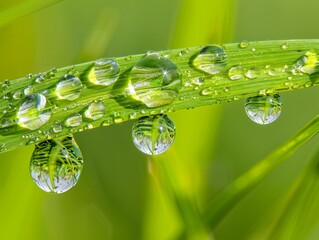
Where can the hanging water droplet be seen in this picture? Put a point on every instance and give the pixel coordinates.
(155, 81)
(69, 87)
(34, 111)
(263, 109)
(252, 73)
(56, 164)
(95, 110)
(236, 72)
(309, 63)
(104, 72)
(211, 59)
(153, 135)
(74, 120)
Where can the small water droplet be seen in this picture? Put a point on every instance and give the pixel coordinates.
(29, 76)
(96, 110)
(56, 164)
(243, 44)
(236, 72)
(117, 117)
(34, 111)
(252, 73)
(104, 72)
(17, 95)
(29, 90)
(69, 87)
(253, 49)
(263, 109)
(284, 46)
(5, 122)
(57, 127)
(308, 63)
(153, 135)
(211, 59)
(271, 72)
(133, 115)
(155, 81)
(74, 120)
(207, 91)
(40, 78)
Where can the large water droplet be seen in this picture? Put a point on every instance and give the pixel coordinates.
(56, 164)
(153, 135)
(155, 81)
(95, 110)
(308, 63)
(211, 59)
(105, 72)
(69, 87)
(34, 111)
(263, 109)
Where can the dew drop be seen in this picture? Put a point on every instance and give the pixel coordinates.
(17, 95)
(263, 109)
(211, 59)
(104, 72)
(308, 63)
(284, 46)
(34, 111)
(236, 72)
(56, 164)
(74, 120)
(153, 135)
(69, 87)
(40, 78)
(252, 73)
(243, 44)
(57, 128)
(95, 110)
(29, 90)
(154, 81)
(207, 91)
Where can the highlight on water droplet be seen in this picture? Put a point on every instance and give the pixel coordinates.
(74, 120)
(95, 110)
(211, 59)
(69, 87)
(34, 112)
(104, 72)
(263, 109)
(236, 72)
(153, 135)
(56, 164)
(154, 81)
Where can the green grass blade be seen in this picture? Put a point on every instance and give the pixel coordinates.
(23, 9)
(220, 205)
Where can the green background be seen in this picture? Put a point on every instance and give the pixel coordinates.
(118, 195)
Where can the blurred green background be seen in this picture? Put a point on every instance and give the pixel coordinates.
(119, 195)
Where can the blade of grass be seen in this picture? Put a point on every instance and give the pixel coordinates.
(220, 205)
(24, 9)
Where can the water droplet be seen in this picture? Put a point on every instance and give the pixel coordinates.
(207, 91)
(309, 63)
(104, 72)
(56, 164)
(57, 127)
(29, 90)
(69, 87)
(253, 49)
(271, 72)
(74, 120)
(153, 135)
(5, 122)
(211, 59)
(243, 44)
(34, 111)
(252, 73)
(117, 117)
(95, 110)
(236, 72)
(40, 78)
(155, 81)
(263, 109)
(17, 95)
(284, 46)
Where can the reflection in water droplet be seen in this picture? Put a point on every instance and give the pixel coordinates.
(155, 81)
(236, 72)
(309, 63)
(211, 59)
(56, 164)
(104, 72)
(74, 120)
(95, 110)
(153, 135)
(263, 109)
(69, 87)
(34, 111)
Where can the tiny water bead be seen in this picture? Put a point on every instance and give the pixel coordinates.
(95, 110)
(211, 59)
(34, 111)
(74, 120)
(153, 135)
(56, 164)
(104, 72)
(264, 109)
(69, 87)
(154, 81)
